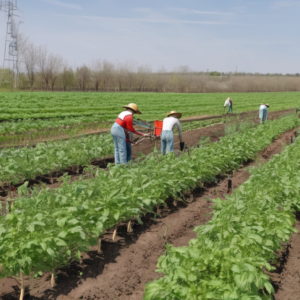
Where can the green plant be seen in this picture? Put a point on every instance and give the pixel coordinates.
(227, 258)
(48, 227)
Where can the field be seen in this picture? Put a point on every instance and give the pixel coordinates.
(106, 106)
(29, 118)
(76, 226)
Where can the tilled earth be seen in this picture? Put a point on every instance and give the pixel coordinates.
(129, 262)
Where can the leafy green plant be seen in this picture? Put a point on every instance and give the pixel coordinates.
(48, 227)
(18, 165)
(226, 259)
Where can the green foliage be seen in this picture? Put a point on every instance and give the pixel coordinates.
(48, 227)
(226, 259)
(18, 165)
(238, 126)
(154, 106)
(20, 126)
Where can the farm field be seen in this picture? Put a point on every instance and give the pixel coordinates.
(46, 162)
(81, 227)
(106, 106)
(29, 118)
(231, 252)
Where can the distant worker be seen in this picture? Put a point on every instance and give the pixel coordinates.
(167, 139)
(121, 139)
(263, 112)
(229, 103)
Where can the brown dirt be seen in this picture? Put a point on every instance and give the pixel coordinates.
(127, 264)
(192, 138)
(289, 279)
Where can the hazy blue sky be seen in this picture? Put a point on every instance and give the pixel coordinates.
(255, 36)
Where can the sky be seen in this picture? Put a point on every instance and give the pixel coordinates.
(215, 35)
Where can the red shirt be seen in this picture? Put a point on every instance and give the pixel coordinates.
(125, 119)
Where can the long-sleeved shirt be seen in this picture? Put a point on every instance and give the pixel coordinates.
(171, 122)
(228, 102)
(125, 119)
(263, 107)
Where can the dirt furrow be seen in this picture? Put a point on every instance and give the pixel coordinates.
(127, 264)
(289, 279)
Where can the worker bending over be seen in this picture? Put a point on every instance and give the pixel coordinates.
(263, 112)
(229, 103)
(121, 139)
(167, 139)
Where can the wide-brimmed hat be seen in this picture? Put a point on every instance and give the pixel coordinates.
(134, 107)
(267, 105)
(174, 114)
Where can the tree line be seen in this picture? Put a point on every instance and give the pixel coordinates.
(38, 69)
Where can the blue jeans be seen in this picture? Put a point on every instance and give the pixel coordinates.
(167, 141)
(263, 114)
(128, 148)
(118, 134)
(230, 108)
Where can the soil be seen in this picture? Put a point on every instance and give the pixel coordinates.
(128, 263)
(192, 138)
(288, 281)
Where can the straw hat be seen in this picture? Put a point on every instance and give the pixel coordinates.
(134, 107)
(175, 114)
(267, 105)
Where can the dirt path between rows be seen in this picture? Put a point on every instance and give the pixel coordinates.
(192, 138)
(289, 279)
(127, 264)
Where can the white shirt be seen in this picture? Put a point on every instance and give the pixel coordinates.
(123, 114)
(227, 102)
(170, 123)
(263, 107)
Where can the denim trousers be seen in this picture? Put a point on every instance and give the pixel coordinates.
(230, 108)
(263, 115)
(167, 141)
(118, 135)
(128, 148)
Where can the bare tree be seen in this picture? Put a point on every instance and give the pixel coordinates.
(96, 73)
(108, 70)
(121, 72)
(46, 63)
(161, 79)
(67, 76)
(57, 62)
(130, 69)
(83, 77)
(183, 82)
(143, 73)
(20, 55)
(30, 61)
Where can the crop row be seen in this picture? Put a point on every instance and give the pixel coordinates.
(47, 228)
(20, 126)
(109, 105)
(227, 258)
(17, 165)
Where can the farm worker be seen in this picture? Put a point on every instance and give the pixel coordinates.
(167, 139)
(124, 124)
(229, 103)
(263, 112)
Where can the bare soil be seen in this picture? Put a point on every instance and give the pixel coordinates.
(129, 262)
(192, 138)
(287, 281)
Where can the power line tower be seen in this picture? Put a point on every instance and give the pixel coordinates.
(11, 62)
